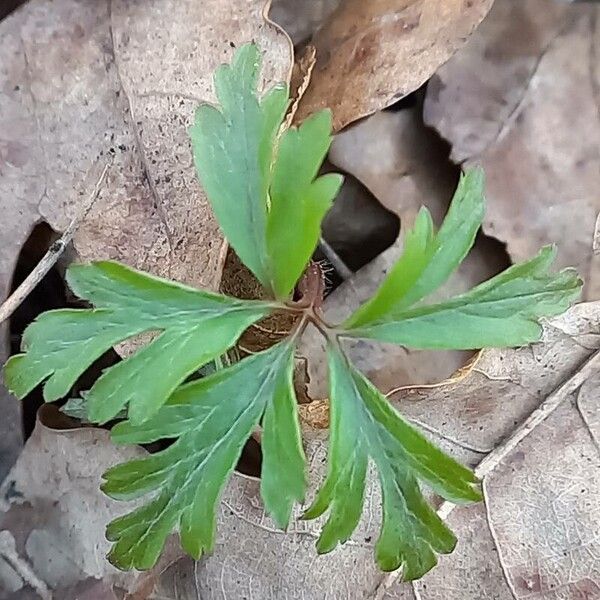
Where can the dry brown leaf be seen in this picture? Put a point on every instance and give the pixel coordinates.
(544, 509)
(55, 514)
(587, 404)
(471, 572)
(370, 54)
(82, 81)
(401, 162)
(522, 99)
(165, 57)
(539, 536)
(504, 386)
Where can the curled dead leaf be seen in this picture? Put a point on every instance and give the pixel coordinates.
(370, 54)
(301, 74)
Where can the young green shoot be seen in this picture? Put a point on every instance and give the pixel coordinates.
(266, 192)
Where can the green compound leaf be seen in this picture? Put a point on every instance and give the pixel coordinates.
(262, 185)
(429, 258)
(211, 420)
(365, 426)
(196, 326)
(503, 311)
(264, 188)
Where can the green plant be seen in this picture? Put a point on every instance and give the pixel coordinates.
(263, 183)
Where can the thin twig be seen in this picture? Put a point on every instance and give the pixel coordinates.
(8, 551)
(500, 452)
(49, 260)
(336, 262)
(596, 238)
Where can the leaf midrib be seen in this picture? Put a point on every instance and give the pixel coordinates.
(458, 305)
